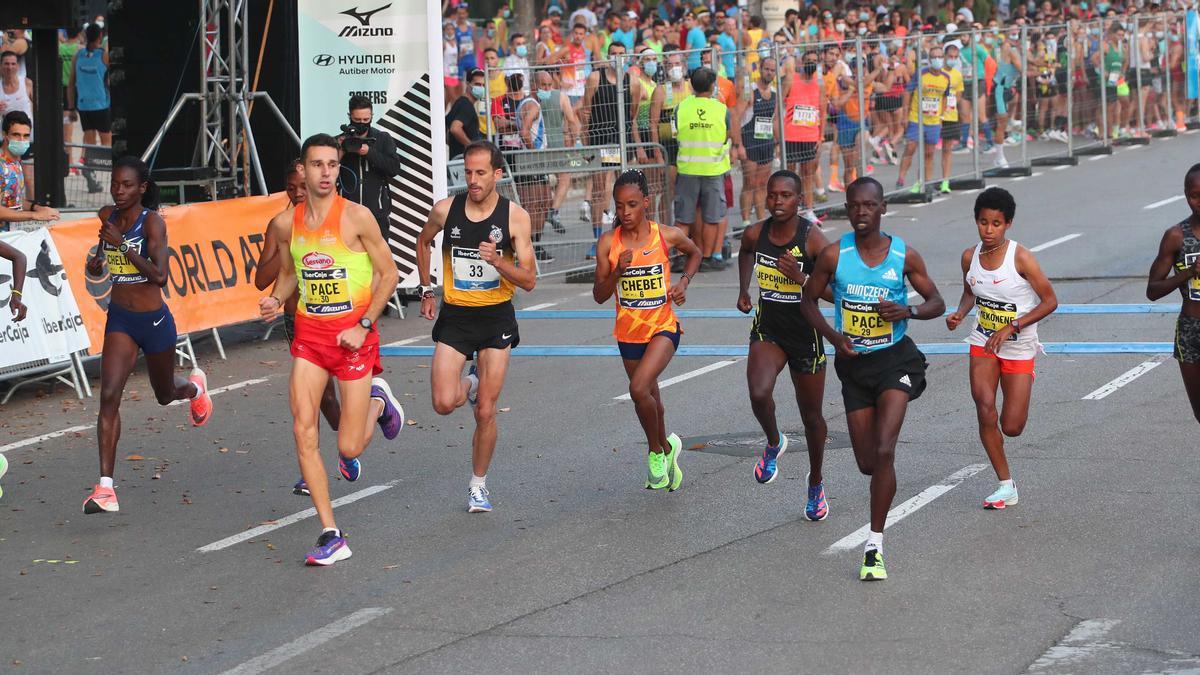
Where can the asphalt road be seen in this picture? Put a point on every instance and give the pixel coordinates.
(579, 569)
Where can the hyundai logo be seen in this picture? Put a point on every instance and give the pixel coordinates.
(323, 60)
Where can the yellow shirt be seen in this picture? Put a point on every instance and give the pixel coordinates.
(956, 90)
(497, 86)
(931, 99)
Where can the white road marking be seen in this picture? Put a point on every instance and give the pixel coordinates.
(407, 341)
(1019, 178)
(228, 387)
(1134, 147)
(45, 437)
(1084, 640)
(859, 536)
(969, 192)
(686, 376)
(294, 518)
(937, 200)
(309, 641)
(1097, 158)
(1191, 131)
(1162, 202)
(1054, 242)
(544, 305)
(826, 229)
(1122, 380)
(1064, 167)
(1035, 174)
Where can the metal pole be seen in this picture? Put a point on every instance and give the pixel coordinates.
(862, 132)
(1104, 139)
(780, 108)
(162, 131)
(1070, 92)
(1137, 46)
(975, 107)
(918, 92)
(1166, 68)
(203, 61)
(264, 96)
(1024, 95)
(622, 140)
(255, 162)
(487, 101)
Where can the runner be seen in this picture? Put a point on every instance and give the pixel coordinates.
(647, 330)
(14, 256)
(778, 253)
(344, 273)
(880, 367)
(133, 243)
(1180, 248)
(268, 271)
(925, 100)
(952, 126)
(484, 236)
(760, 129)
(803, 123)
(1004, 283)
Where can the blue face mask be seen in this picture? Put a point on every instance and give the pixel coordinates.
(18, 148)
(764, 53)
(937, 62)
(650, 68)
(478, 91)
(543, 95)
(1102, 7)
(522, 50)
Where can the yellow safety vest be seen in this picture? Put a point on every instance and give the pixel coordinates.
(703, 137)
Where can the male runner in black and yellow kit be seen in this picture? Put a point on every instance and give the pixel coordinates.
(483, 236)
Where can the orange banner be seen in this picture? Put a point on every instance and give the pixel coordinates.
(213, 249)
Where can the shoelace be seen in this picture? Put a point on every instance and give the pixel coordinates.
(478, 493)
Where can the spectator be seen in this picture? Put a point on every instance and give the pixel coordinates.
(16, 91)
(14, 40)
(586, 15)
(727, 41)
(627, 33)
(369, 161)
(495, 74)
(463, 125)
(14, 206)
(658, 37)
(88, 94)
(67, 46)
(697, 37)
(562, 130)
(464, 30)
(517, 60)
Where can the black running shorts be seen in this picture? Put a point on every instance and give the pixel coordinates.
(470, 329)
(868, 375)
(1187, 339)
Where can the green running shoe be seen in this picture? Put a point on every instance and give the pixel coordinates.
(672, 460)
(944, 188)
(872, 567)
(656, 477)
(917, 188)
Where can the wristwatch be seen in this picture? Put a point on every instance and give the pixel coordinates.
(1016, 324)
(912, 312)
(424, 292)
(366, 323)
(123, 248)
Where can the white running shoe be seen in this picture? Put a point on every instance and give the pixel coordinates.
(585, 211)
(1004, 496)
(1001, 160)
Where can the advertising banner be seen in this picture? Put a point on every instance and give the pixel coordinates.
(385, 51)
(213, 249)
(1193, 54)
(53, 328)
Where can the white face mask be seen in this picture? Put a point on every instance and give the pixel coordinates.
(676, 73)
(841, 27)
(862, 30)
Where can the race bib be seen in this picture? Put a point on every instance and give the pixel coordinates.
(119, 268)
(930, 105)
(642, 287)
(325, 292)
(773, 285)
(805, 115)
(951, 102)
(470, 272)
(510, 140)
(1193, 285)
(1113, 78)
(764, 128)
(992, 316)
(863, 325)
(612, 155)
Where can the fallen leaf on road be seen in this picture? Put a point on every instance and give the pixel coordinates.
(134, 458)
(269, 363)
(223, 450)
(390, 567)
(412, 423)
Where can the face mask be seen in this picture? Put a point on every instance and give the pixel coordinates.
(506, 13)
(897, 44)
(1094, 31)
(1051, 44)
(764, 53)
(989, 41)
(862, 30)
(937, 62)
(1014, 36)
(99, 24)
(810, 68)
(1102, 7)
(491, 32)
(1174, 38)
(812, 29)
(1158, 34)
(954, 63)
(676, 74)
(864, 16)
(1083, 6)
(477, 91)
(650, 68)
(18, 148)
(841, 27)
(522, 50)
(543, 95)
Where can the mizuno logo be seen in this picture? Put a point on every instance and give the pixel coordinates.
(890, 275)
(364, 18)
(161, 319)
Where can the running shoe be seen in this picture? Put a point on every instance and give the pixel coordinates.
(473, 389)
(391, 420)
(674, 473)
(812, 216)
(556, 222)
(351, 468)
(201, 406)
(817, 507)
(607, 219)
(478, 499)
(944, 188)
(1004, 496)
(1001, 160)
(835, 185)
(300, 488)
(101, 499)
(820, 197)
(331, 548)
(767, 468)
(3, 470)
(591, 254)
(872, 568)
(585, 211)
(899, 183)
(916, 188)
(542, 255)
(656, 474)
(891, 152)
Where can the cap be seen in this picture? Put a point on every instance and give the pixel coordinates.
(631, 15)
(951, 28)
(555, 9)
(966, 11)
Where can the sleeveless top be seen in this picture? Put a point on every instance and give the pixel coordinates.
(857, 290)
(91, 94)
(18, 100)
(673, 93)
(802, 119)
(603, 123)
(537, 135)
(1002, 295)
(120, 270)
(334, 282)
(778, 314)
(760, 128)
(467, 280)
(552, 118)
(643, 307)
(1186, 257)
(643, 111)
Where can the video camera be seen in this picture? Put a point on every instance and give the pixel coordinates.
(352, 138)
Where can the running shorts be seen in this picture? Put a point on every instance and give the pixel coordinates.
(96, 120)
(634, 351)
(952, 131)
(1187, 339)
(868, 375)
(1007, 366)
(339, 362)
(800, 152)
(805, 350)
(885, 103)
(706, 191)
(933, 133)
(153, 331)
(471, 329)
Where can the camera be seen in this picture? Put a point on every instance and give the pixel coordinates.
(352, 141)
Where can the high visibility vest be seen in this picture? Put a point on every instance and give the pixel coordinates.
(703, 137)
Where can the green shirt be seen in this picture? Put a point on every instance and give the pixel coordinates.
(66, 56)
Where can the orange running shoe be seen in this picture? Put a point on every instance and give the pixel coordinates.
(102, 499)
(201, 406)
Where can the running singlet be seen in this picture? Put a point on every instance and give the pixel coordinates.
(120, 270)
(334, 282)
(802, 116)
(644, 307)
(467, 280)
(930, 98)
(1002, 295)
(857, 290)
(778, 314)
(1186, 258)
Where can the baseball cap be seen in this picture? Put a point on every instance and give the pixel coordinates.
(555, 9)
(631, 15)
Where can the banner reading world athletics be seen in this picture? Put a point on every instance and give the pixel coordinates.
(381, 49)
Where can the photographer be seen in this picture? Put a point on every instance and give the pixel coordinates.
(369, 159)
